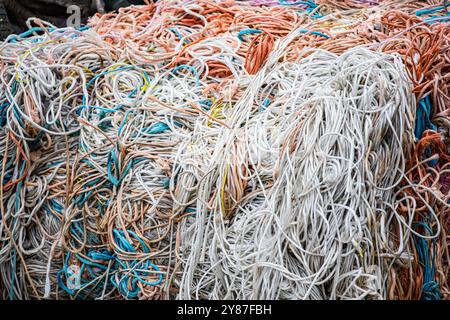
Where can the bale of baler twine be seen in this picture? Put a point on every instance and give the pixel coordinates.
(290, 223)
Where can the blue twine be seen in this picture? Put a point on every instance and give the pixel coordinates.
(185, 66)
(14, 257)
(265, 105)
(103, 74)
(317, 33)
(3, 109)
(114, 163)
(208, 103)
(310, 6)
(423, 121)
(15, 38)
(159, 127)
(123, 121)
(26, 34)
(179, 35)
(430, 289)
(428, 11)
(433, 20)
(246, 32)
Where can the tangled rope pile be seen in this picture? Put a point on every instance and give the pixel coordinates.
(230, 150)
